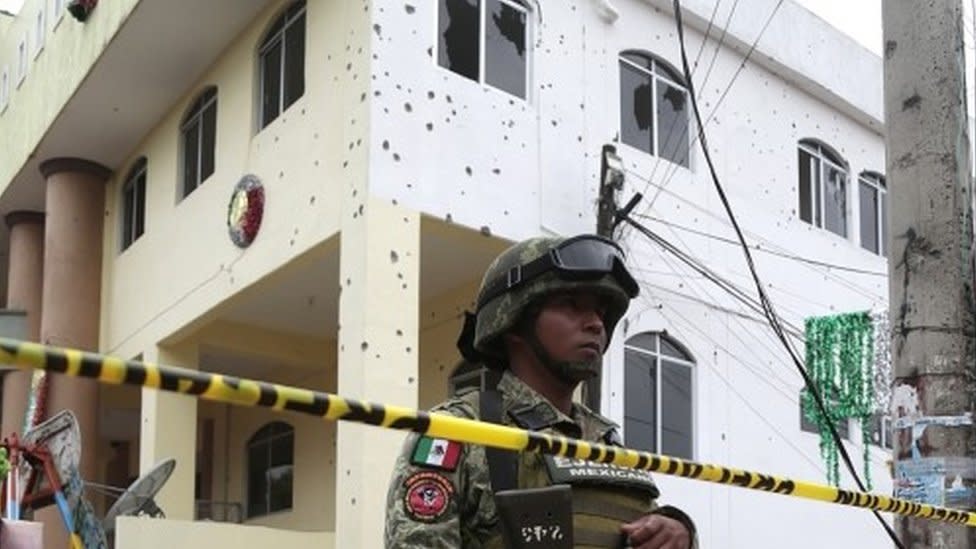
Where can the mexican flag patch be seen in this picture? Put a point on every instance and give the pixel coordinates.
(437, 452)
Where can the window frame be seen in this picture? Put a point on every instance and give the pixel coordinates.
(194, 119)
(57, 12)
(136, 176)
(267, 440)
(22, 61)
(823, 155)
(40, 30)
(878, 183)
(4, 88)
(660, 357)
(269, 40)
(521, 5)
(670, 76)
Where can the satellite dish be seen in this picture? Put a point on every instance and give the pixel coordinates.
(137, 500)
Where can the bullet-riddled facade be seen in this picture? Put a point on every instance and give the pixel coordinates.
(308, 193)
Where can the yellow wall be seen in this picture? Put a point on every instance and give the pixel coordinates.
(145, 533)
(69, 52)
(185, 264)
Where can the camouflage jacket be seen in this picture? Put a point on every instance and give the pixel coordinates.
(451, 505)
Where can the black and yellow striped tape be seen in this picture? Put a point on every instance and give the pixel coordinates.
(247, 392)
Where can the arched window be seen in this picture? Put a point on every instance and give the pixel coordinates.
(823, 187)
(653, 107)
(486, 41)
(198, 133)
(270, 465)
(658, 395)
(282, 61)
(134, 203)
(873, 202)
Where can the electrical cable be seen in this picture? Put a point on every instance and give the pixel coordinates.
(766, 303)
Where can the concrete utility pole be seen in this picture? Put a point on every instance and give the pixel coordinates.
(611, 181)
(930, 265)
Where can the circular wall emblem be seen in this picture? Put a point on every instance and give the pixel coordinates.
(245, 210)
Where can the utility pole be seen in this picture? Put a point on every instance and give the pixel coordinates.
(930, 265)
(611, 181)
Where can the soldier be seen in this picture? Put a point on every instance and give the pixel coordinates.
(545, 313)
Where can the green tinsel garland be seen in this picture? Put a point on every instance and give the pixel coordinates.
(839, 356)
(4, 464)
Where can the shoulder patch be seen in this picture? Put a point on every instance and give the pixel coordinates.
(438, 453)
(427, 495)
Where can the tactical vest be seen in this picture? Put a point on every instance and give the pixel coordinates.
(603, 496)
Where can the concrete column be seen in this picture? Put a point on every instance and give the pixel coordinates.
(24, 282)
(75, 207)
(169, 430)
(378, 338)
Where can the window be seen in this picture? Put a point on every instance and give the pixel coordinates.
(282, 59)
(39, 32)
(270, 468)
(4, 88)
(808, 426)
(880, 430)
(134, 203)
(823, 187)
(653, 107)
(21, 61)
(873, 200)
(198, 134)
(486, 41)
(57, 11)
(658, 389)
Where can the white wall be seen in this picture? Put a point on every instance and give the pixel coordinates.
(546, 150)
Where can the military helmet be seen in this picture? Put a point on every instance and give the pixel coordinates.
(533, 269)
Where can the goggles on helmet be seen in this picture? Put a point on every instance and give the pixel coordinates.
(586, 257)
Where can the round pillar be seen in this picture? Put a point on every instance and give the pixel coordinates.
(24, 281)
(75, 206)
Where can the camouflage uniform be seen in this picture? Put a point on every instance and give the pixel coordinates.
(469, 519)
(448, 502)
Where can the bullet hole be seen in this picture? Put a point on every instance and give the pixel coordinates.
(394, 257)
(449, 218)
(403, 286)
(407, 107)
(496, 171)
(448, 97)
(364, 345)
(485, 230)
(554, 123)
(291, 242)
(311, 200)
(316, 163)
(359, 142)
(399, 332)
(345, 163)
(400, 276)
(505, 212)
(348, 282)
(467, 170)
(409, 9)
(353, 501)
(430, 51)
(430, 126)
(430, 94)
(396, 157)
(410, 380)
(348, 66)
(362, 97)
(409, 349)
(377, 93)
(361, 209)
(386, 145)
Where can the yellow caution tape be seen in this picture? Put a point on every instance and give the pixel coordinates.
(246, 392)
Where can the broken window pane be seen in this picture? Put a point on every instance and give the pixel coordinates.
(294, 85)
(835, 200)
(636, 108)
(458, 48)
(869, 216)
(672, 123)
(505, 47)
(805, 162)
